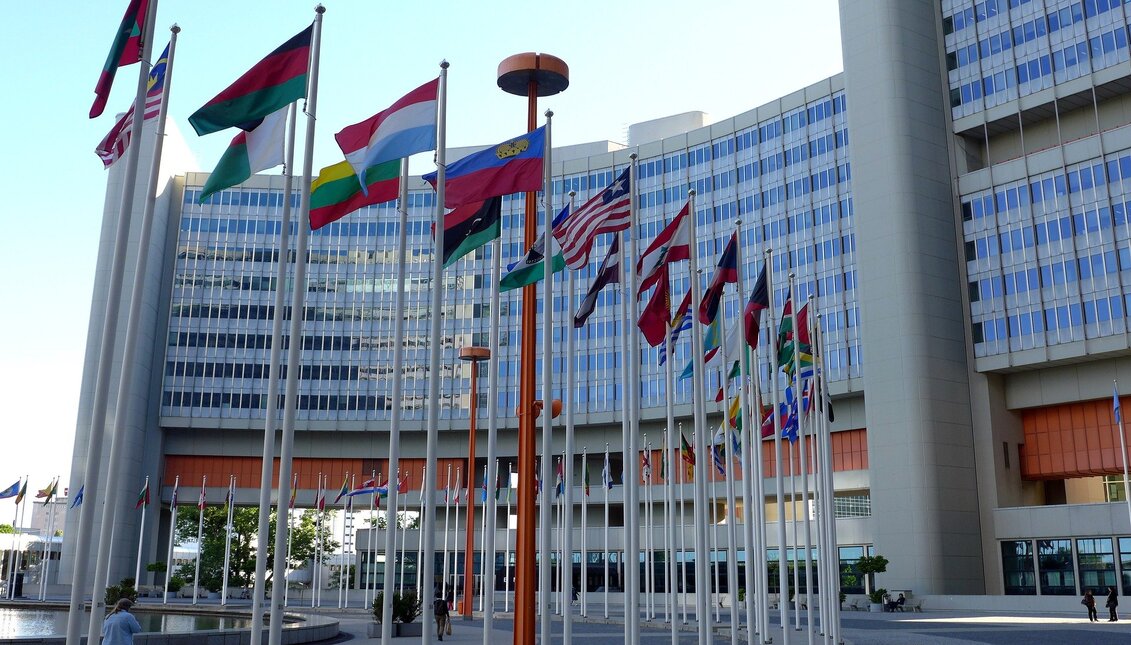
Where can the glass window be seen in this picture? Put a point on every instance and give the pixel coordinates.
(1096, 563)
(850, 579)
(1054, 559)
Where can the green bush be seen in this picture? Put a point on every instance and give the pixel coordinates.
(124, 589)
(877, 596)
(175, 584)
(406, 608)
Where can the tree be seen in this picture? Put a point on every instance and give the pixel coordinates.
(405, 519)
(7, 528)
(245, 523)
(870, 565)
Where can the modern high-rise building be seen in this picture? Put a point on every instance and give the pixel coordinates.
(953, 203)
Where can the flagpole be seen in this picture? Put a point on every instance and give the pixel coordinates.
(649, 583)
(455, 538)
(49, 547)
(507, 542)
(316, 573)
(793, 523)
(717, 589)
(827, 475)
(270, 412)
(397, 396)
(200, 505)
(702, 556)
(428, 525)
(390, 528)
(783, 577)
(483, 546)
(728, 471)
(544, 571)
(420, 590)
(1123, 451)
(14, 550)
(172, 539)
(751, 470)
(632, 397)
(558, 527)
(140, 535)
(673, 446)
(682, 584)
(403, 557)
(584, 609)
(106, 359)
(606, 480)
(294, 357)
(492, 508)
(824, 598)
(228, 539)
(290, 534)
(799, 399)
(568, 393)
(447, 519)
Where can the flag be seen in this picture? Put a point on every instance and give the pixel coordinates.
(469, 227)
(142, 496)
(294, 492)
(22, 494)
(403, 129)
(1115, 403)
(510, 478)
(335, 192)
(249, 152)
(735, 372)
(605, 212)
(827, 402)
(268, 86)
(173, 501)
(559, 486)
(727, 271)
(321, 501)
(681, 322)
(113, 145)
(671, 245)
(532, 267)
(645, 466)
(513, 166)
(78, 497)
(402, 484)
(734, 413)
(786, 340)
(201, 503)
(368, 486)
(345, 490)
(608, 273)
(789, 412)
(584, 475)
(10, 491)
(656, 318)
(752, 314)
(664, 457)
(230, 497)
(484, 495)
(49, 492)
(125, 50)
(607, 474)
(711, 344)
(687, 454)
(717, 459)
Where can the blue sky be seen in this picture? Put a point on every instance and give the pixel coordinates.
(626, 65)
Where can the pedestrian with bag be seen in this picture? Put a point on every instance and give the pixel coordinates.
(1112, 603)
(443, 616)
(1089, 602)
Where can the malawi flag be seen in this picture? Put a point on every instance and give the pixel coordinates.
(513, 166)
(727, 271)
(249, 153)
(469, 227)
(532, 267)
(267, 87)
(336, 193)
(125, 50)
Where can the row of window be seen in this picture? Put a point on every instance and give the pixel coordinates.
(960, 20)
(1047, 275)
(1049, 188)
(1050, 319)
(305, 401)
(1065, 567)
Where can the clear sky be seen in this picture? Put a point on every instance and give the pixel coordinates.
(629, 62)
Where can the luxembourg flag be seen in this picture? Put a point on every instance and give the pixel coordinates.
(405, 128)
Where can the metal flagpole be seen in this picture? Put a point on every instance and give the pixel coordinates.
(290, 409)
(84, 544)
(673, 446)
(783, 577)
(140, 534)
(1122, 447)
(455, 549)
(606, 483)
(702, 556)
(403, 544)
(717, 589)
(228, 539)
(649, 550)
(343, 563)
(568, 395)
(793, 528)
(428, 525)
(290, 534)
(544, 570)
(558, 526)
(760, 530)
(316, 565)
(492, 507)
(390, 528)
(728, 473)
(632, 517)
(682, 584)
(584, 609)
(827, 475)
(172, 539)
(14, 552)
(447, 517)
(751, 472)
(49, 547)
(483, 546)
(420, 590)
(398, 395)
(507, 542)
(271, 411)
(200, 505)
(799, 398)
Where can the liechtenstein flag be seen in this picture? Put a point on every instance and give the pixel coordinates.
(513, 166)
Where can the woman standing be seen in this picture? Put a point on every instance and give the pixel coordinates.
(1112, 603)
(120, 625)
(1089, 602)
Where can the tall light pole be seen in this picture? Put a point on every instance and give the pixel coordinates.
(472, 355)
(530, 75)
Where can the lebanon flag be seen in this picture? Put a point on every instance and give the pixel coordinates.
(656, 318)
(671, 245)
(405, 128)
(249, 153)
(727, 271)
(270, 85)
(125, 50)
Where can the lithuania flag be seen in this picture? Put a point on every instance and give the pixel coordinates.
(336, 192)
(469, 227)
(271, 84)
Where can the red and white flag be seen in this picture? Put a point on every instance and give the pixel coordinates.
(200, 503)
(671, 245)
(605, 212)
(113, 145)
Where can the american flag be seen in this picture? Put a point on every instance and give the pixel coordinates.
(114, 145)
(605, 212)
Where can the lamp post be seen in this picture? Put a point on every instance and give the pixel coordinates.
(531, 75)
(472, 355)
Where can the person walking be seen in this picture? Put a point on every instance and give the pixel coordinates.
(443, 616)
(1089, 602)
(120, 626)
(1112, 603)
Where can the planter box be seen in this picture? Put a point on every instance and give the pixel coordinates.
(877, 608)
(373, 630)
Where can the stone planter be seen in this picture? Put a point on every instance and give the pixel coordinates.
(373, 630)
(877, 608)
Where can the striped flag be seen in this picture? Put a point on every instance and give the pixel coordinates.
(681, 322)
(605, 212)
(113, 145)
(201, 503)
(143, 496)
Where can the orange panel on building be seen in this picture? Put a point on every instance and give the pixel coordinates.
(1070, 440)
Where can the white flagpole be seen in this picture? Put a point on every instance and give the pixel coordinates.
(447, 517)
(717, 589)
(669, 486)
(294, 359)
(290, 534)
(271, 410)
(421, 591)
(403, 545)
(1123, 451)
(544, 571)
(398, 395)
(830, 505)
(568, 392)
(632, 397)
(793, 528)
(799, 397)
(85, 545)
(390, 528)
(558, 548)
(200, 506)
(507, 542)
(172, 539)
(649, 552)
(14, 552)
(682, 584)
(783, 577)
(428, 525)
(728, 472)
(702, 554)
(607, 472)
(228, 539)
(492, 507)
(761, 535)
(49, 546)
(455, 547)
(140, 536)
(483, 545)
(316, 573)
(584, 593)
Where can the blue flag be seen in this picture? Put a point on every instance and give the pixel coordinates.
(1115, 402)
(78, 497)
(10, 491)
